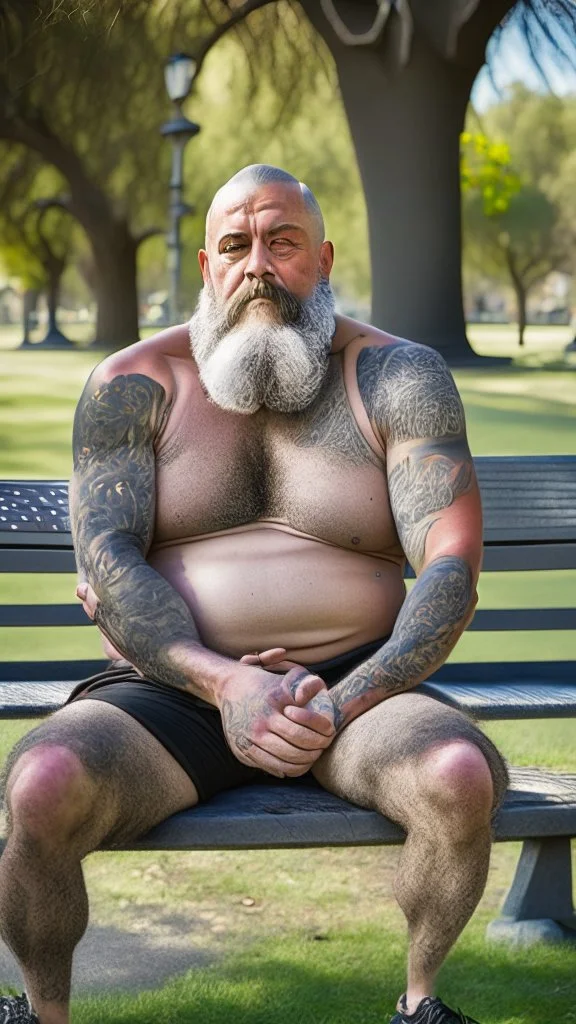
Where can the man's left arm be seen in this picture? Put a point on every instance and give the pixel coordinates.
(414, 404)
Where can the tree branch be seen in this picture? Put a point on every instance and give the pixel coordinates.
(143, 236)
(239, 14)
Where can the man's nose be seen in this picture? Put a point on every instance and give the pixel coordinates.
(258, 265)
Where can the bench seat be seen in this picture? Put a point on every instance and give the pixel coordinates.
(293, 814)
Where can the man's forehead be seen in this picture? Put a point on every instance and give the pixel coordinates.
(237, 202)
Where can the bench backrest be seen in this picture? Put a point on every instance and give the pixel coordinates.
(530, 524)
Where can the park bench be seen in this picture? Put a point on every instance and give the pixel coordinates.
(530, 524)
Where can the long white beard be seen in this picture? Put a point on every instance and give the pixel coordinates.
(263, 363)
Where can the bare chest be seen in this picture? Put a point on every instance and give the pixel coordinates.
(312, 472)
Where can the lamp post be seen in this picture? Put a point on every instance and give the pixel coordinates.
(178, 74)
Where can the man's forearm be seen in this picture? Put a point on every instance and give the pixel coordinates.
(147, 620)
(427, 628)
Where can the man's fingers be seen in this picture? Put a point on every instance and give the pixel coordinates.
(89, 599)
(311, 719)
(300, 735)
(267, 762)
(287, 752)
(267, 659)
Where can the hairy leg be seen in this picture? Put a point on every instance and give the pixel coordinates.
(89, 774)
(427, 767)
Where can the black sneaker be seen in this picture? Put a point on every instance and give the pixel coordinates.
(429, 1011)
(16, 1010)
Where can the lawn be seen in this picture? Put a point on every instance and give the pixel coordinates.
(314, 936)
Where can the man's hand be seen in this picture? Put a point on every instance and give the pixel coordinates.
(257, 708)
(86, 595)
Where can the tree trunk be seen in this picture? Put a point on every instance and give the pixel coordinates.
(521, 296)
(408, 150)
(29, 305)
(115, 287)
(406, 122)
(520, 291)
(54, 337)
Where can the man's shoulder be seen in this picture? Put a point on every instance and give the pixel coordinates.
(403, 384)
(377, 349)
(153, 358)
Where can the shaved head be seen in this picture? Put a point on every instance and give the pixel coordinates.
(250, 178)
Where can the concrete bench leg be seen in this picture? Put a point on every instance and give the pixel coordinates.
(538, 907)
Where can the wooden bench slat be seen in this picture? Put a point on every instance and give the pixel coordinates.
(499, 619)
(43, 615)
(533, 619)
(50, 671)
(37, 560)
(297, 814)
(21, 698)
(497, 558)
(33, 700)
(501, 702)
(528, 557)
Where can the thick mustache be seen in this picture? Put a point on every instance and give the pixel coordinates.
(288, 306)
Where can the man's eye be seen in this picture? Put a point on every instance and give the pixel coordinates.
(233, 247)
(282, 242)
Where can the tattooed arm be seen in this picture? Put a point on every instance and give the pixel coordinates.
(112, 500)
(413, 404)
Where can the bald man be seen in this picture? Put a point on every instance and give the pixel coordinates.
(246, 490)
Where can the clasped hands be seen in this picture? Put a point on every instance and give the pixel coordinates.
(276, 715)
(279, 723)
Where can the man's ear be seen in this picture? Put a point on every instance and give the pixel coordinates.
(203, 261)
(326, 258)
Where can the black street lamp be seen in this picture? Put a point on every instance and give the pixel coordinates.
(178, 74)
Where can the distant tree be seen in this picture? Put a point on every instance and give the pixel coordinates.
(540, 130)
(523, 240)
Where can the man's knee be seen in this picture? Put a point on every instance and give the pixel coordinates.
(454, 778)
(50, 796)
(458, 779)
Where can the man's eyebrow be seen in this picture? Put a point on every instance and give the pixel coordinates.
(284, 227)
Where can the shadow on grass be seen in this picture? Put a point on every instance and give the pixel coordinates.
(351, 979)
(517, 425)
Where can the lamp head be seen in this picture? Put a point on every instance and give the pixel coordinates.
(179, 74)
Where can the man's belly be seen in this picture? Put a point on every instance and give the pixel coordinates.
(264, 585)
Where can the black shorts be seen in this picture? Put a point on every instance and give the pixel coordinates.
(187, 727)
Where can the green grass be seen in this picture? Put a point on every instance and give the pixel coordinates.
(324, 940)
(352, 977)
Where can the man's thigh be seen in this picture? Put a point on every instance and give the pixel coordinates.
(375, 760)
(138, 781)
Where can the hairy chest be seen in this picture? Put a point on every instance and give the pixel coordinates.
(312, 471)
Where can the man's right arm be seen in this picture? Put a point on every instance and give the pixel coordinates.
(113, 507)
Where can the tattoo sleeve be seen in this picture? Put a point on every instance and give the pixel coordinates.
(427, 628)
(113, 507)
(413, 401)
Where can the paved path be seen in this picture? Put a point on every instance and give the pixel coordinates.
(152, 948)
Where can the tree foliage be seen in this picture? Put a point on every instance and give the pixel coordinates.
(532, 231)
